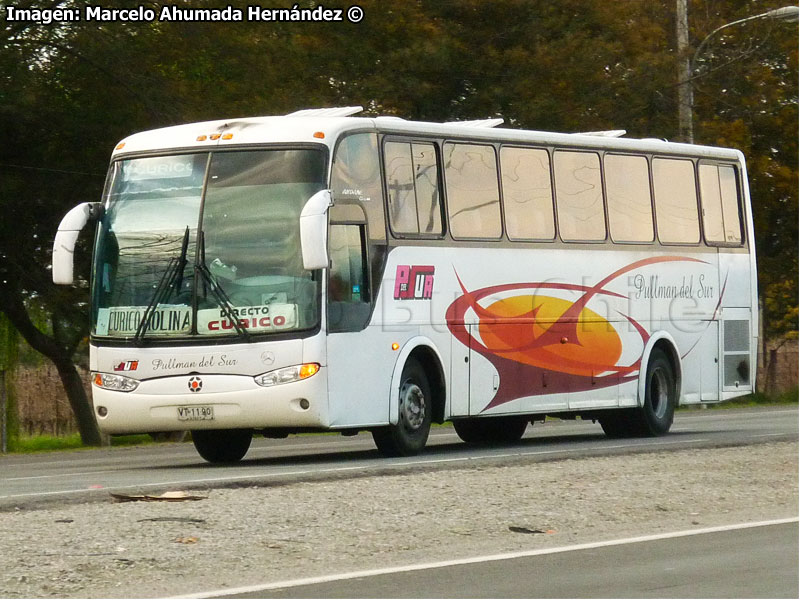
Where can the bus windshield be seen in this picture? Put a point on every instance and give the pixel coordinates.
(206, 244)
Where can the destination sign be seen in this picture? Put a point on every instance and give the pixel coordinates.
(177, 319)
(166, 167)
(124, 320)
(272, 317)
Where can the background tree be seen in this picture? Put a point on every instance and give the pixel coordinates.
(9, 354)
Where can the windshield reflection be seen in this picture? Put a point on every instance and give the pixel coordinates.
(246, 264)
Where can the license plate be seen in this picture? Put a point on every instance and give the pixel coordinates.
(195, 413)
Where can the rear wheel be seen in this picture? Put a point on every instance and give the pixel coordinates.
(222, 445)
(409, 435)
(491, 430)
(655, 415)
(660, 396)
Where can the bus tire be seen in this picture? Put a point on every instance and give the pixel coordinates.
(491, 431)
(409, 435)
(655, 415)
(222, 445)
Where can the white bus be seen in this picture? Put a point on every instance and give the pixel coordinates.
(320, 271)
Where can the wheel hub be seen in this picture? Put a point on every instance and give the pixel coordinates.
(659, 396)
(412, 405)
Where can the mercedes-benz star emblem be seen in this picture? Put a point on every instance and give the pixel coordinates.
(195, 384)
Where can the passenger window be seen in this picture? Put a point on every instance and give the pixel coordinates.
(711, 200)
(473, 194)
(412, 180)
(630, 209)
(356, 176)
(730, 204)
(400, 185)
(676, 201)
(527, 193)
(426, 187)
(348, 290)
(579, 196)
(719, 197)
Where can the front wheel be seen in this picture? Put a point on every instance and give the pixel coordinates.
(409, 435)
(222, 445)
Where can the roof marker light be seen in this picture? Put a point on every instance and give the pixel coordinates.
(319, 135)
(202, 138)
(227, 136)
(215, 136)
(120, 146)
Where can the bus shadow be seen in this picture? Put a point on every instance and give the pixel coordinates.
(369, 457)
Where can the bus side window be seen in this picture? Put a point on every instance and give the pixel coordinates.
(412, 180)
(579, 196)
(730, 204)
(711, 200)
(348, 290)
(527, 193)
(719, 196)
(400, 184)
(676, 201)
(356, 176)
(426, 184)
(473, 192)
(630, 209)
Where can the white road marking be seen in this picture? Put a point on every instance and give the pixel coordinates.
(58, 475)
(478, 559)
(183, 482)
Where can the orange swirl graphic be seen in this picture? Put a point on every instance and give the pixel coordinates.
(542, 344)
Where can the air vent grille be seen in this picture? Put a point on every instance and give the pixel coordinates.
(736, 353)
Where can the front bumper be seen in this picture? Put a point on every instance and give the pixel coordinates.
(237, 400)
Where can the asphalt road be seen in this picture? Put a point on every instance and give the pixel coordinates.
(755, 562)
(91, 474)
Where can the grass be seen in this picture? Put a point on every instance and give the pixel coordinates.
(49, 443)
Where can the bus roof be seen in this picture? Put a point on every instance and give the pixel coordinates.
(324, 126)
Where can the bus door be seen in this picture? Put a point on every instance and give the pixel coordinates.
(350, 350)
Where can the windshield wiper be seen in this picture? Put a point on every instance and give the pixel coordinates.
(225, 304)
(172, 274)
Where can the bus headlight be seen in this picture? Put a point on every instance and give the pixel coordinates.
(118, 383)
(287, 374)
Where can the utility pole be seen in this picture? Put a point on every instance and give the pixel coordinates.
(686, 63)
(685, 91)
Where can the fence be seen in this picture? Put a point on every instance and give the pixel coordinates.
(41, 401)
(777, 367)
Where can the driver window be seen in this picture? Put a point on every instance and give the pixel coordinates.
(348, 289)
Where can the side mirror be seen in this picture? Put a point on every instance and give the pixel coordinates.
(64, 245)
(314, 231)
